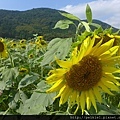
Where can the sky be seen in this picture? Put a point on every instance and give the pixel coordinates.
(105, 10)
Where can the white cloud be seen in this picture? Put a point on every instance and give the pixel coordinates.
(105, 10)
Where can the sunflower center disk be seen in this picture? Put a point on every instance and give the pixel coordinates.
(85, 74)
(1, 47)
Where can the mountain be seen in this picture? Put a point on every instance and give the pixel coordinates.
(41, 21)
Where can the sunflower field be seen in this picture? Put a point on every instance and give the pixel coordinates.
(65, 76)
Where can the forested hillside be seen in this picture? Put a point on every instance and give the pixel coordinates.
(23, 24)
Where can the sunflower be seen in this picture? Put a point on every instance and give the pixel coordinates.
(90, 71)
(13, 45)
(40, 38)
(31, 56)
(23, 46)
(3, 51)
(23, 70)
(23, 41)
(106, 36)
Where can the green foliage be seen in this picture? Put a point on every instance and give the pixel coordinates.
(23, 73)
(23, 24)
(70, 16)
(88, 14)
(28, 79)
(63, 24)
(36, 104)
(57, 47)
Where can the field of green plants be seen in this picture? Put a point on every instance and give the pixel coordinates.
(64, 76)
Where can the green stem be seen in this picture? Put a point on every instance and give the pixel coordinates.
(41, 72)
(11, 60)
(6, 111)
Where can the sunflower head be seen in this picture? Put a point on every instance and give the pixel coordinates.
(13, 44)
(23, 71)
(1, 46)
(108, 36)
(31, 56)
(40, 38)
(86, 74)
(43, 42)
(3, 49)
(23, 46)
(23, 41)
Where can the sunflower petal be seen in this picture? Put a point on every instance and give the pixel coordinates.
(104, 47)
(81, 53)
(60, 92)
(65, 95)
(110, 69)
(97, 94)
(60, 71)
(109, 84)
(104, 88)
(88, 101)
(53, 78)
(64, 64)
(91, 43)
(73, 97)
(82, 101)
(93, 51)
(109, 53)
(57, 86)
(92, 98)
(77, 101)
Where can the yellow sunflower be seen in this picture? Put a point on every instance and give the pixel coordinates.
(23, 41)
(31, 56)
(23, 70)
(3, 50)
(40, 38)
(23, 46)
(83, 77)
(106, 37)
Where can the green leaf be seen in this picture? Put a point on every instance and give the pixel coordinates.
(103, 112)
(70, 16)
(99, 30)
(88, 14)
(57, 47)
(63, 24)
(28, 79)
(95, 25)
(17, 97)
(36, 104)
(23, 96)
(12, 104)
(2, 85)
(86, 25)
(9, 73)
(42, 86)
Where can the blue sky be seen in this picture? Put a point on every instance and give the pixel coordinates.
(105, 10)
(29, 4)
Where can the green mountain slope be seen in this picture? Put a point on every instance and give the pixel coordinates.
(23, 24)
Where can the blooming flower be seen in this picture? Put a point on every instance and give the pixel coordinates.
(3, 50)
(89, 71)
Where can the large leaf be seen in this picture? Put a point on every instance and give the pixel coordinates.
(2, 85)
(88, 14)
(36, 104)
(28, 79)
(70, 16)
(9, 73)
(42, 86)
(63, 24)
(57, 47)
